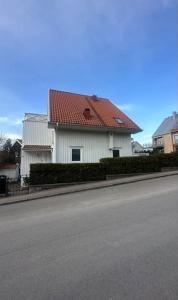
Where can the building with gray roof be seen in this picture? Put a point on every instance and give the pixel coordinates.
(165, 138)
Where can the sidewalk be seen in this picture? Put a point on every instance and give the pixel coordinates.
(83, 187)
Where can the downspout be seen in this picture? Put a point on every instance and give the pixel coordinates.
(111, 140)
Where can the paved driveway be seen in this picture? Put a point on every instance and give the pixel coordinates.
(113, 243)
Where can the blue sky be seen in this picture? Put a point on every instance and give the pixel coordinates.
(125, 50)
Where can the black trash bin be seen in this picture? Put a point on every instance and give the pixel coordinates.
(3, 184)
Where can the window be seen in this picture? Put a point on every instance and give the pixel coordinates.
(176, 138)
(159, 142)
(118, 120)
(116, 153)
(76, 156)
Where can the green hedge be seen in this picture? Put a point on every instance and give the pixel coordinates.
(143, 163)
(65, 173)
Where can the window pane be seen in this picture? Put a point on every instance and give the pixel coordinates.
(176, 138)
(116, 153)
(75, 154)
(118, 120)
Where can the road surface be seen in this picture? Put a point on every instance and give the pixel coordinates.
(115, 243)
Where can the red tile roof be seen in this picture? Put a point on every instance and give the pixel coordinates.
(69, 108)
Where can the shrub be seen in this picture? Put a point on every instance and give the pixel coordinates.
(140, 164)
(125, 165)
(26, 180)
(66, 173)
(63, 173)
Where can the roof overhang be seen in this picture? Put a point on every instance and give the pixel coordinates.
(175, 130)
(67, 126)
(37, 148)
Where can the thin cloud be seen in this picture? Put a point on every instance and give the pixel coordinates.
(3, 119)
(10, 121)
(17, 122)
(126, 107)
(12, 136)
(82, 25)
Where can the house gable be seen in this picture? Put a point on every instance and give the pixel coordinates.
(167, 125)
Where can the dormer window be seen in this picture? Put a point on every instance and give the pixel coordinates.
(118, 120)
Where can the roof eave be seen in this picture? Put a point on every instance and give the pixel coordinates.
(93, 128)
(160, 134)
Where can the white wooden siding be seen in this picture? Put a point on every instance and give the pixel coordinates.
(95, 145)
(123, 142)
(32, 158)
(36, 133)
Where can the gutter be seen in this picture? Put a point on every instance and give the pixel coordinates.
(58, 125)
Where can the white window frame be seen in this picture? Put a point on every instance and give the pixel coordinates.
(118, 120)
(81, 154)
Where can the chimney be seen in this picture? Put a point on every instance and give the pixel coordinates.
(174, 114)
(87, 113)
(94, 98)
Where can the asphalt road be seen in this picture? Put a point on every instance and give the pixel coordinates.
(114, 243)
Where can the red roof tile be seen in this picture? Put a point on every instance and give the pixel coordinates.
(68, 108)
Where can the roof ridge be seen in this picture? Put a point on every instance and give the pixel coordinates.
(73, 93)
(36, 114)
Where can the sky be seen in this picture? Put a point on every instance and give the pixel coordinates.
(124, 50)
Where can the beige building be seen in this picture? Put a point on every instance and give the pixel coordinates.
(165, 138)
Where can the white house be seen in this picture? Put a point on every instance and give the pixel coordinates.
(11, 170)
(137, 147)
(78, 128)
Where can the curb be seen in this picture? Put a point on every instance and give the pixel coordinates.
(83, 187)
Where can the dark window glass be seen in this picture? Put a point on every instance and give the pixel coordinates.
(75, 154)
(116, 153)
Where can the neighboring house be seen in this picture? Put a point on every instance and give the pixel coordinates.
(78, 128)
(137, 147)
(11, 170)
(10, 160)
(148, 147)
(16, 148)
(165, 139)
